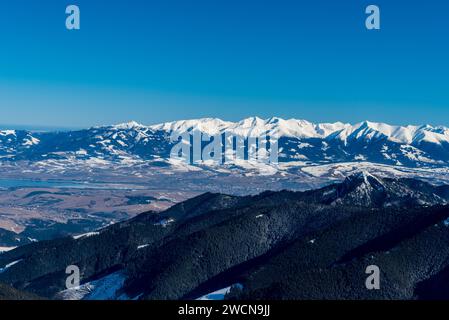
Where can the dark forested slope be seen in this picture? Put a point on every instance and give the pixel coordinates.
(278, 245)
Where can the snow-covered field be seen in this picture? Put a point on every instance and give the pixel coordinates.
(106, 288)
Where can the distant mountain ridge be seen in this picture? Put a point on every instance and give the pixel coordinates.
(294, 128)
(300, 142)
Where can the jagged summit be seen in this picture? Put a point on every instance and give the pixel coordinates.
(129, 125)
(368, 190)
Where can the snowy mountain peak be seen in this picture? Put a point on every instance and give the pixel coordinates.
(252, 122)
(205, 125)
(128, 125)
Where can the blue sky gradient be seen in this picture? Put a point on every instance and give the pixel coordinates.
(160, 60)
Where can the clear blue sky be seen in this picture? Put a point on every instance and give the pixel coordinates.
(160, 60)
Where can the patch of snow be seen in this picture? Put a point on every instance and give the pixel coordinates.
(106, 288)
(303, 145)
(446, 222)
(86, 235)
(120, 142)
(31, 141)
(9, 265)
(219, 294)
(360, 157)
(6, 249)
(81, 152)
(328, 192)
(165, 222)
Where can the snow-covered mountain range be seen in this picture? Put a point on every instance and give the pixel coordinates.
(302, 129)
(299, 141)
